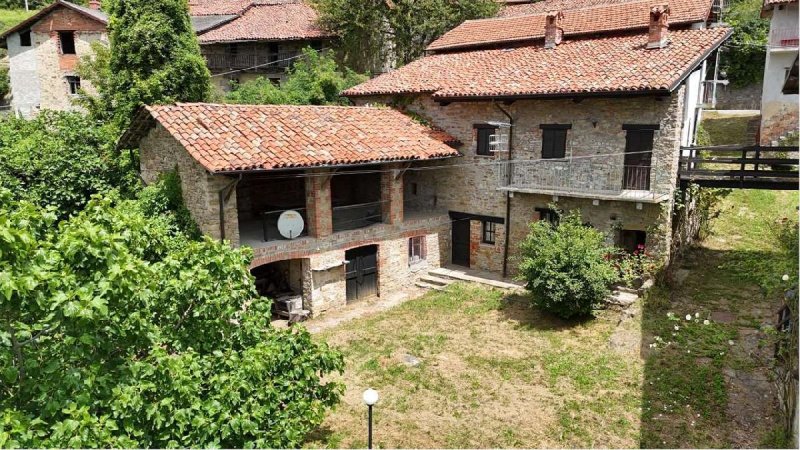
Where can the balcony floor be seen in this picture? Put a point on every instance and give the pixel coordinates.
(622, 196)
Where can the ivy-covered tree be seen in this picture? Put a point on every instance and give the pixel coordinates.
(745, 54)
(315, 79)
(117, 331)
(376, 32)
(59, 160)
(155, 57)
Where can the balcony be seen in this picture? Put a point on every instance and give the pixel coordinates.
(783, 38)
(587, 178)
(263, 62)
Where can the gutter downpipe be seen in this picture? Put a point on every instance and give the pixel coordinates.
(224, 196)
(508, 183)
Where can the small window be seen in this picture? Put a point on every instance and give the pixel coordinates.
(488, 233)
(416, 249)
(484, 135)
(67, 39)
(25, 38)
(548, 215)
(74, 84)
(554, 141)
(632, 241)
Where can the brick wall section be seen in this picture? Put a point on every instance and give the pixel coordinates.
(160, 152)
(392, 194)
(319, 209)
(778, 120)
(472, 187)
(482, 255)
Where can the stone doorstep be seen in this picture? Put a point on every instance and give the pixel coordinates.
(431, 279)
(475, 276)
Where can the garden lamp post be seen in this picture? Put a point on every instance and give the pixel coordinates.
(370, 398)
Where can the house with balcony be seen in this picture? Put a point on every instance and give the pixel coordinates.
(577, 109)
(321, 194)
(779, 98)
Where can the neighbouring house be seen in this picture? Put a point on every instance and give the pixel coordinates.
(577, 109)
(240, 39)
(779, 109)
(322, 194)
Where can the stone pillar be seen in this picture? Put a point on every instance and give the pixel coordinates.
(392, 194)
(319, 212)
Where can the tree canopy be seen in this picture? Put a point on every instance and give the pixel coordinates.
(118, 331)
(315, 79)
(155, 57)
(374, 32)
(745, 55)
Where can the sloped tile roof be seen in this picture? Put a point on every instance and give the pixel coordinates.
(205, 23)
(609, 64)
(543, 6)
(229, 138)
(269, 20)
(217, 7)
(593, 19)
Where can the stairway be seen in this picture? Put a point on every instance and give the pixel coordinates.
(433, 282)
(438, 279)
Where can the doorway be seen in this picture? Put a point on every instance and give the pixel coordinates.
(361, 273)
(460, 242)
(638, 157)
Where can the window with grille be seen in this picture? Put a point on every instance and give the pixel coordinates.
(554, 140)
(67, 40)
(25, 38)
(489, 232)
(416, 249)
(484, 135)
(74, 84)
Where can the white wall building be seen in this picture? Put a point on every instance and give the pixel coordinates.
(779, 110)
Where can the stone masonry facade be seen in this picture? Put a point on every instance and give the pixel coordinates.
(471, 184)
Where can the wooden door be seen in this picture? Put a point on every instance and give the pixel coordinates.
(460, 242)
(361, 273)
(638, 157)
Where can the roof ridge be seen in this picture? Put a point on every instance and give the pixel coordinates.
(246, 105)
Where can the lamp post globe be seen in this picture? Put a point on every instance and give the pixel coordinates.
(370, 397)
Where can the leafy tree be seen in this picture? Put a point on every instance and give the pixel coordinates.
(745, 55)
(59, 160)
(374, 32)
(118, 331)
(5, 83)
(155, 57)
(315, 79)
(567, 267)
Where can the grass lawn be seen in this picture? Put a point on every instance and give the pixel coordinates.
(494, 372)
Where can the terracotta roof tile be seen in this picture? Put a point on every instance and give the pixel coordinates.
(614, 63)
(217, 7)
(225, 138)
(593, 19)
(543, 6)
(269, 20)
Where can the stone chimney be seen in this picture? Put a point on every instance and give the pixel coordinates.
(94, 4)
(553, 29)
(659, 26)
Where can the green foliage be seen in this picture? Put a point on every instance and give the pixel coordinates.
(5, 83)
(373, 32)
(165, 198)
(633, 267)
(117, 331)
(60, 159)
(155, 57)
(13, 12)
(568, 268)
(745, 56)
(315, 79)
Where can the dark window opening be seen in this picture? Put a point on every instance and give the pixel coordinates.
(551, 216)
(554, 141)
(273, 52)
(262, 199)
(416, 249)
(638, 156)
(67, 39)
(356, 199)
(632, 241)
(316, 45)
(74, 84)
(233, 50)
(488, 232)
(25, 38)
(484, 136)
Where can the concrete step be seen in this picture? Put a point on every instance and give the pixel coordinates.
(474, 276)
(432, 279)
(424, 285)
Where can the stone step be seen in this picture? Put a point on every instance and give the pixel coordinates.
(626, 290)
(435, 287)
(472, 276)
(623, 298)
(432, 279)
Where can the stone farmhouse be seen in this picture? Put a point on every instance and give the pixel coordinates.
(240, 39)
(584, 108)
(779, 98)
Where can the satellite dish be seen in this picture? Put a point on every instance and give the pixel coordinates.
(290, 224)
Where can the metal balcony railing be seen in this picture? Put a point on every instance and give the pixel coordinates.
(274, 62)
(351, 217)
(783, 37)
(589, 176)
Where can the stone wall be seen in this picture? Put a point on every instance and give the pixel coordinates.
(160, 152)
(470, 184)
(739, 98)
(482, 255)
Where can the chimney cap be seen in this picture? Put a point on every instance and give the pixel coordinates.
(95, 4)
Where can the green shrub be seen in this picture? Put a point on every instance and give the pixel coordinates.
(568, 268)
